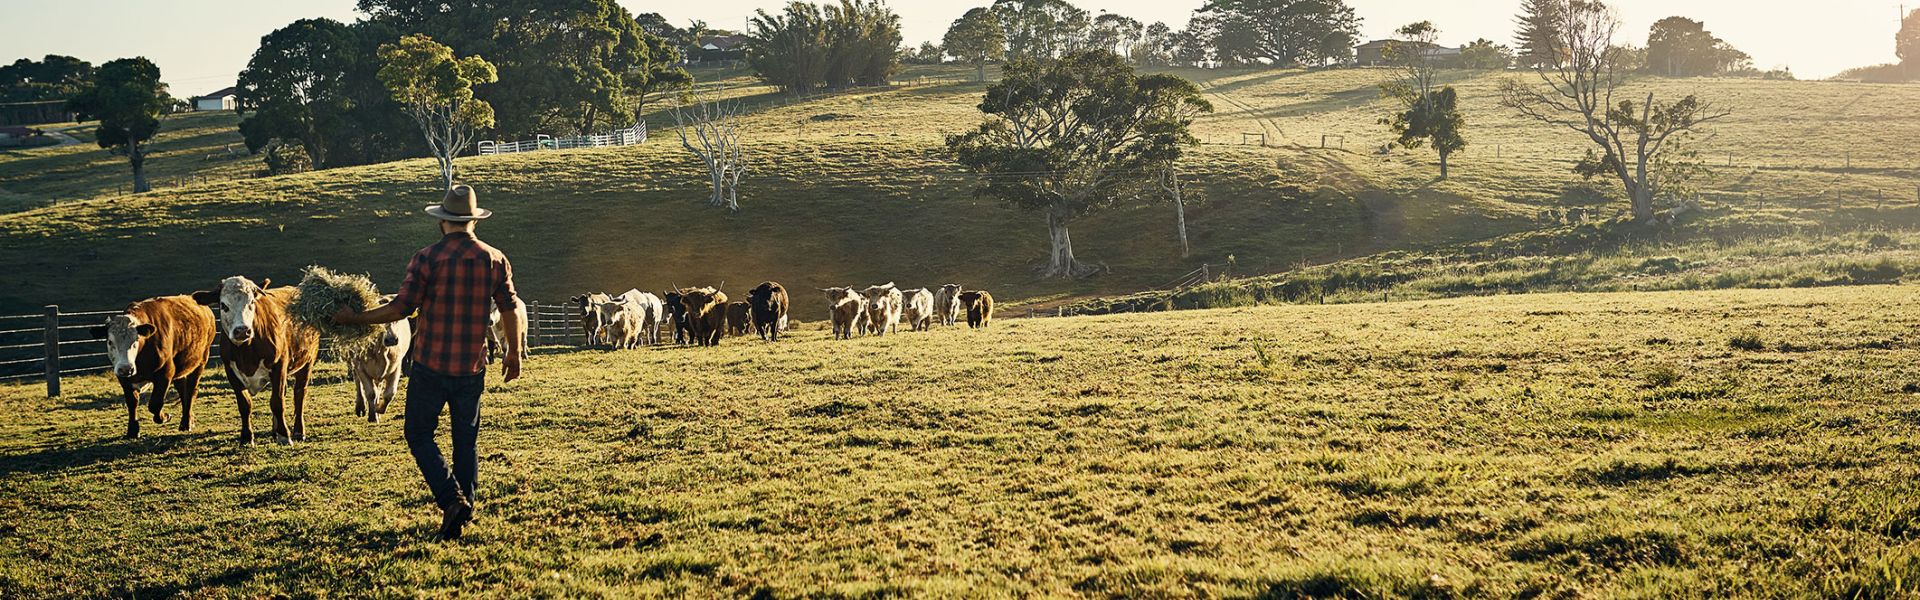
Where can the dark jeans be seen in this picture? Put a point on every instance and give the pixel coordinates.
(427, 392)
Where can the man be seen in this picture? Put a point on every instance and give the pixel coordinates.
(450, 283)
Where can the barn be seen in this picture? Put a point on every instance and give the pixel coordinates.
(225, 99)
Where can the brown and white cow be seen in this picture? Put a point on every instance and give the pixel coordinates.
(979, 305)
(946, 303)
(706, 314)
(376, 372)
(264, 349)
(916, 307)
(163, 342)
(846, 310)
(883, 308)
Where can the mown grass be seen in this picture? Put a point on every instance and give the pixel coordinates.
(1608, 445)
(189, 147)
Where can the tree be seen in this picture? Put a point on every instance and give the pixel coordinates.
(1906, 43)
(295, 85)
(1429, 114)
(976, 38)
(1682, 47)
(1540, 24)
(1072, 136)
(711, 131)
(436, 90)
(1286, 32)
(1155, 47)
(1578, 93)
(127, 97)
(1483, 54)
(855, 42)
(1041, 29)
(790, 49)
(928, 53)
(1114, 33)
(54, 77)
(564, 65)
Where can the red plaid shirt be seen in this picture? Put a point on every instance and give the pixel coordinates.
(450, 283)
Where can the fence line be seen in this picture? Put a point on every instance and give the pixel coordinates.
(618, 137)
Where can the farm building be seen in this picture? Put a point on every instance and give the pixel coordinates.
(721, 48)
(225, 99)
(1374, 53)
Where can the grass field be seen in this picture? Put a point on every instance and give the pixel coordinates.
(1734, 443)
(851, 187)
(190, 147)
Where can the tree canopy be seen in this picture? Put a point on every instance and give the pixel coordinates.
(976, 38)
(1284, 32)
(1682, 47)
(1076, 135)
(127, 97)
(1538, 30)
(1906, 43)
(437, 90)
(54, 77)
(316, 83)
(806, 46)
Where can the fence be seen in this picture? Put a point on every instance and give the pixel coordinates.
(54, 344)
(619, 137)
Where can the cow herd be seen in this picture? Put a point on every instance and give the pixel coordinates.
(165, 342)
(703, 316)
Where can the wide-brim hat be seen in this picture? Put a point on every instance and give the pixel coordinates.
(461, 204)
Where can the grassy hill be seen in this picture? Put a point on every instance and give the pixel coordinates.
(1741, 443)
(191, 148)
(851, 188)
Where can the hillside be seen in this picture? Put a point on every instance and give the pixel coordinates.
(1738, 444)
(191, 148)
(851, 188)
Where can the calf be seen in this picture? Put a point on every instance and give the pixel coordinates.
(769, 302)
(946, 303)
(917, 309)
(846, 310)
(739, 318)
(979, 305)
(264, 349)
(376, 373)
(497, 333)
(589, 314)
(160, 341)
(706, 311)
(883, 308)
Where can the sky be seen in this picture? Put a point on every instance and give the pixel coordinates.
(201, 45)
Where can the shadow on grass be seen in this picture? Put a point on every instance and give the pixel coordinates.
(106, 451)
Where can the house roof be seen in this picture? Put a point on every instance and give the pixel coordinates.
(723, 42)
(220, 93)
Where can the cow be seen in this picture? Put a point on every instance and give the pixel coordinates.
(163, 342)
(264, 349)
(846, 310)
(917, 309)
(674, 301)
(589, 314)
(706, 313)
(497, 333)
(624, 323)
(979, 305)
(652, 314)
(769, 302)
(946, 303)
(883, 308)
(739, 318)
(376, 372)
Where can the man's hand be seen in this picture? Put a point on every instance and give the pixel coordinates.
(344, 315)
(511, 368)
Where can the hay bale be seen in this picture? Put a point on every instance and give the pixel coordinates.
(322, 292)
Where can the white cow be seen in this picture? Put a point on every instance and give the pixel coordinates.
(376, 373)
(946, 303)
(653, 313)
(917, 309)
(621, 327)
(883, 308)
(847, 311)
(497, 333)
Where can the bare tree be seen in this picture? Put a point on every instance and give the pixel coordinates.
(1169, 182)
(1578, 94)
(711, 131)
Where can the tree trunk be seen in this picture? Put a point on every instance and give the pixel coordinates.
(137, 156)
(980, 70)
(446, 171)
(1639, 193)
(1062, 263)
(1443, 165)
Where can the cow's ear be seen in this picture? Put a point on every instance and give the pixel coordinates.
(144, 329)
(99, 332)
(206, 298)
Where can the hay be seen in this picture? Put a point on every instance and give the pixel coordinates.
(322, 293)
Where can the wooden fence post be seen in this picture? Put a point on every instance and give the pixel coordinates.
(53, 351)
(533, 323)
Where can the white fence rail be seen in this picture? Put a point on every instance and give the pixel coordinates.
(618, 137)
